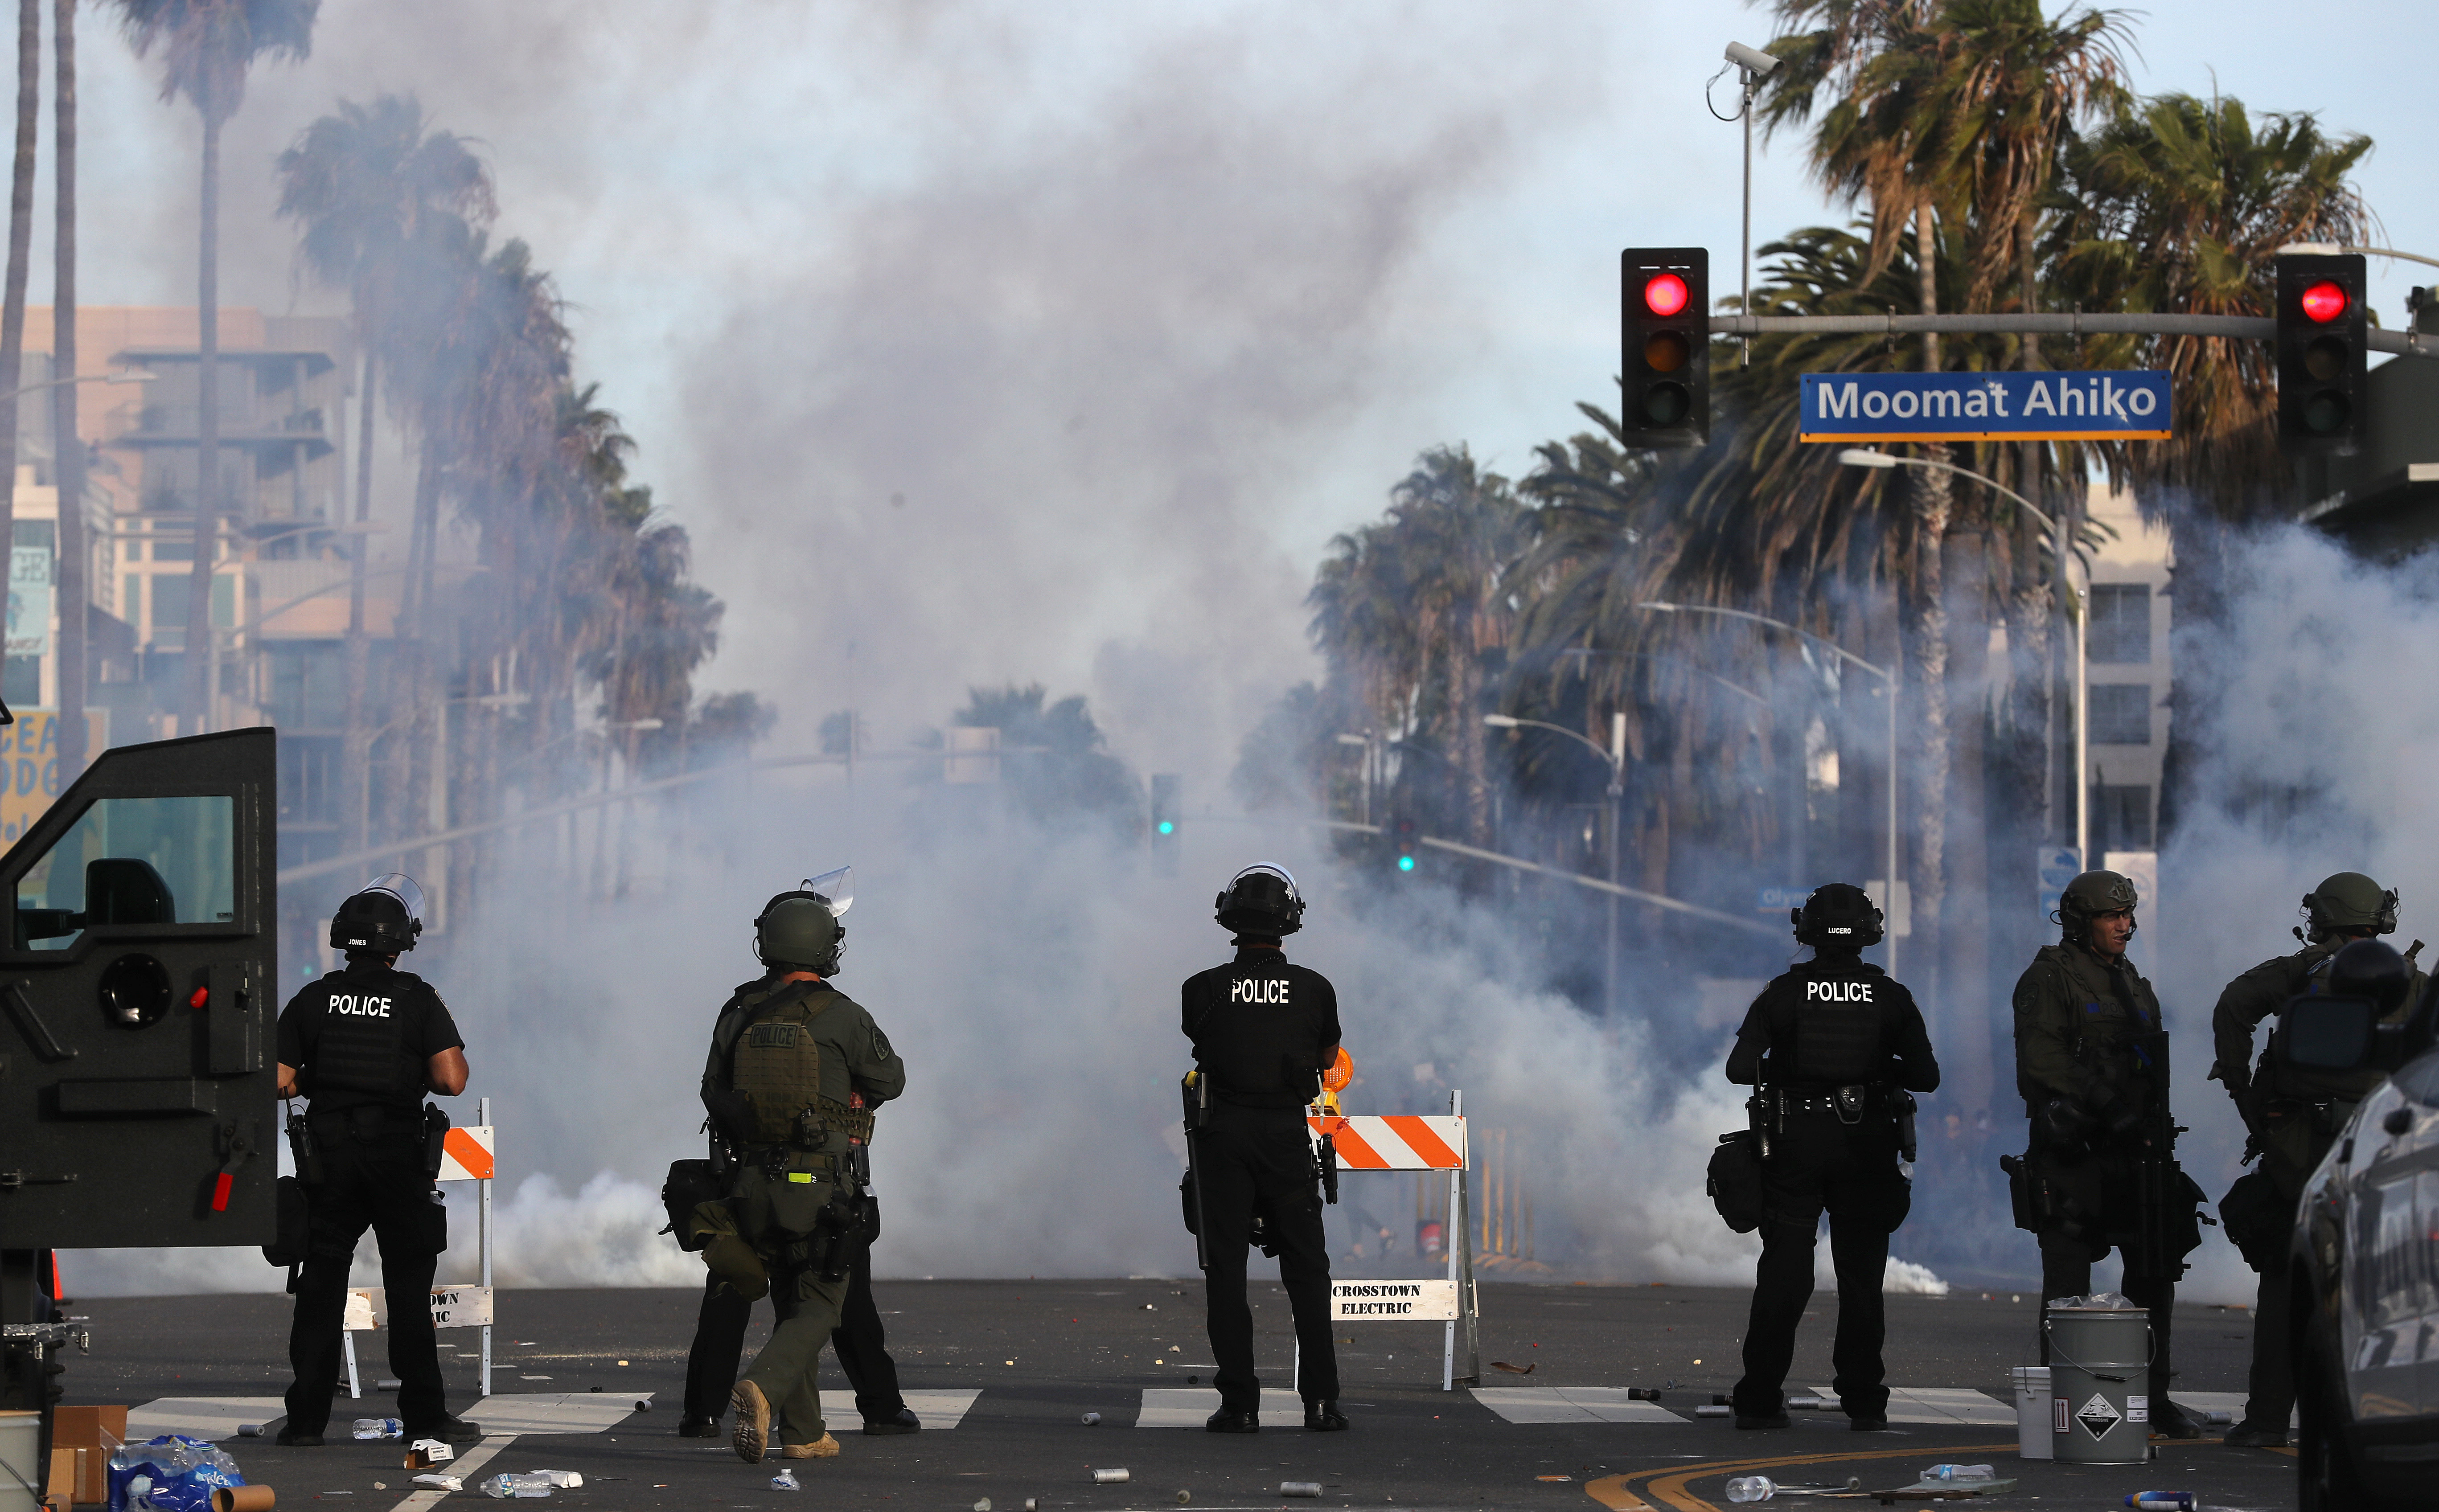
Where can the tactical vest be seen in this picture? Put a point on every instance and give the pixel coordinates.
(2281, 1077)
(2116, 1017)
(361, 1052)
(778, 1065)
(1837, 1031)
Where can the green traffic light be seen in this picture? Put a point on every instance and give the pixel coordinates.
(1405, 863)
(1168, 827)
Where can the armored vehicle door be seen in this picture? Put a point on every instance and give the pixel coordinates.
(137, 967)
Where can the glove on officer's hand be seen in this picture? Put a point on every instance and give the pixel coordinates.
(2123, 1119)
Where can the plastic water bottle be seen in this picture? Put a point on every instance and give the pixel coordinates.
(521, 1487)
(1752, 1489)
(785, 1480)
(371, 1428)
(1960, 1473)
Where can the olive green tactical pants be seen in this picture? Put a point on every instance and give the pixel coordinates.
(779, 1217)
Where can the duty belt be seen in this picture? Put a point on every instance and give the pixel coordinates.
(1848, 1103)
(776, 1159)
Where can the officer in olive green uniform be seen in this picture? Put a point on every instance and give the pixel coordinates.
(2092, 1062)
(2293, 1113)
(792, 1076)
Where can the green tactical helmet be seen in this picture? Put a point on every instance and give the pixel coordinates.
(801, 927)
(2094, 893)
(2349, 902)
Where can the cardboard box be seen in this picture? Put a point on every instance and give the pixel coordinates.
(77, 1435)
(61, 1481)
(84, 1426)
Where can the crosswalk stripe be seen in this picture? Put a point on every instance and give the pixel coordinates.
(1571, 1404)
(939, 1410)
(1187, 1406)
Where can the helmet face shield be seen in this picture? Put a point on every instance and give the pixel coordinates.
(1261, 899)
(836, 888)
(400, 886)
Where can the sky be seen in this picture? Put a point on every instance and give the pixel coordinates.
(978, 342)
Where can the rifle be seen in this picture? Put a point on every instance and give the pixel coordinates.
(2168, 1222)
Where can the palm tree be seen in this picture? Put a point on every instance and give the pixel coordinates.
(67, 447)
(21, 237)
(1407, 608)
(207, 46)
(370, 183)
(2179, 204)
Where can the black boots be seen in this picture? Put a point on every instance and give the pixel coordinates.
(1325, 1417)
(1224, 1421)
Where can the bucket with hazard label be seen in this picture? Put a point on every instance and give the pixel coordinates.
(2100, 1374)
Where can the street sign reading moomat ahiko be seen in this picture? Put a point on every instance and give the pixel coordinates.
(2110, 407)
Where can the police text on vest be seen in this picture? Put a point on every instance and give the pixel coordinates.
(1837, 992)
(1269, 990)
(356, 1007)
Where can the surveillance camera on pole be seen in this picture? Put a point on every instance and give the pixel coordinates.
(1753, 66)
(1752, 60)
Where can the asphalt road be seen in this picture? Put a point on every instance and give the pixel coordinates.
(1043, 1353)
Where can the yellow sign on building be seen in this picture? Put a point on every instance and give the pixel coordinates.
(29, 765)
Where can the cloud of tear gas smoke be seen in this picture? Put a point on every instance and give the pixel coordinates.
(1029, 980)
(2326, 727)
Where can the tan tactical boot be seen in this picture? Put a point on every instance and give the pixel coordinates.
(824, 1448)
(752, 1434)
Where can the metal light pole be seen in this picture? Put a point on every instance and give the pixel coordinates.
(1753, 66)
(1615, 759)
(1889, 694)
(2067, 596)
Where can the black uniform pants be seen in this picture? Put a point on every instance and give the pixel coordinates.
(2270, 1395)
(381, 1186)
(1257, 1160)
(1821, 1164)
(2100, 1190)
(857, 1342)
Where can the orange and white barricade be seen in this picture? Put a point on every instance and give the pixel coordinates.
(466, 1155)
(1412, 1143)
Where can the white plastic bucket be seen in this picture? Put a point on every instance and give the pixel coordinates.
(21, 1445)
(2031, 1411)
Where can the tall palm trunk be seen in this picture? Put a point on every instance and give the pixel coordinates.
(21, 236)
(2031, 614)
(65, 443)
(1927, 650)
(200, 651)
(416, 678)
(354, 736)
(1965, 913)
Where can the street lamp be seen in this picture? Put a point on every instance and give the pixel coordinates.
(1614, 758)
(1888, 692)
(1861, 457)
(125, 375)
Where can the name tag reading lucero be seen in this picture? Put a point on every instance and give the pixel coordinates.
(1392, 1301)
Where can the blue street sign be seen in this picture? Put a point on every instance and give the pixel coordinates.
(2105, 406)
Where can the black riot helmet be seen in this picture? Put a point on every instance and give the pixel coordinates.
(1840, 916)
(2348, 903)
(2091, 894)
(800, 930)
(1262, 900)
(382, 917)
(2371, 970)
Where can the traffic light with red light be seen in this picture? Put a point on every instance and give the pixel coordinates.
(1667, 367)
(2323, 322)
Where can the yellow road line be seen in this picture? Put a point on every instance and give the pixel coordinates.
(1667, 1484)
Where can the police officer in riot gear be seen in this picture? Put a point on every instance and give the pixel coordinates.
(1835, 1048)
(363, 1045)
(858, 1341)
(2092, 1063)
(2292, 1114)
(1263, 1033)
(794, 1074)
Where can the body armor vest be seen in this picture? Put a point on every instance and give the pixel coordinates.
(778, 1065)
(2281, 1077)
(362, 1046)
(1837, 1034)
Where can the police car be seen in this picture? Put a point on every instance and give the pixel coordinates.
(2366, 1270)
